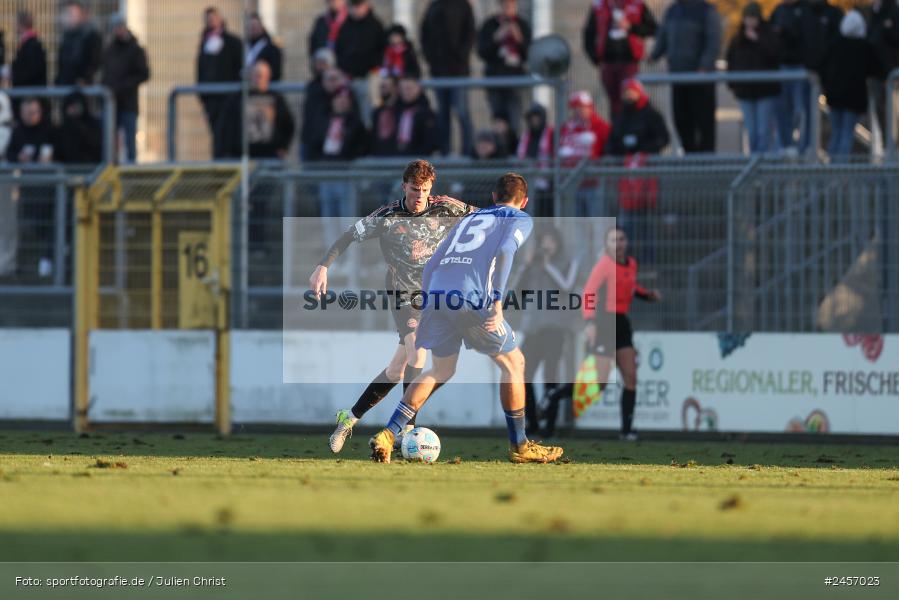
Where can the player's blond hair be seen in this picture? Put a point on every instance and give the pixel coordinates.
(419, 171)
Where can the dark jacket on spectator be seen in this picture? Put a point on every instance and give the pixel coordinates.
(762, 54)
(325, 30)
(29, 67)
(79, 55)
(352, 135)
(360, 45)
(638, 128)
(883, 32)
(79, 139)
(497, 59)
(384, 124)
(316, 106)
(124, 69)
(31, 139)
(600, 47)
(224, 65)
(416, 128)
(265, 49)
(819, 27)
(270, 126)
(786, 23)
(690, 36)
(447, 37)
(847, 63)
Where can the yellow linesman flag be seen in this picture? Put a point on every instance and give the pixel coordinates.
(586, 386)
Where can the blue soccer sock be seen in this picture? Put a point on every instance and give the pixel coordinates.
(515, 423)
(401, 417)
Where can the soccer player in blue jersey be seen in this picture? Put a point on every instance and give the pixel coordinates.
(464, 283)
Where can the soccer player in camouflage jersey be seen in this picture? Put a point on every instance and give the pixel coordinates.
(409, 231)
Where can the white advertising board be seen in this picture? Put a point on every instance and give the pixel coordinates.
(761, 383)
(35, 374)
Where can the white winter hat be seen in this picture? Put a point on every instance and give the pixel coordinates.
(853, 25)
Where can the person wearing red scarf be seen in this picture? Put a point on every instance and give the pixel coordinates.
(399, 56)
(327, 26)
(614, 37)
(503, 43)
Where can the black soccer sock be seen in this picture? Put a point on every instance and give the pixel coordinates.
(374, 393)
(409, 376)
(628, 403)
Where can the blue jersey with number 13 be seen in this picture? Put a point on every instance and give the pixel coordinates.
(475, 258)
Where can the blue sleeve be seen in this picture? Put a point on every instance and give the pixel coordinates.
(517, 231)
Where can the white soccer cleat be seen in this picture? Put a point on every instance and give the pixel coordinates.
(398, 440)
(345, 422)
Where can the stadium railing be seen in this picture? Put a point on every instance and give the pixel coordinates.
(36, 243)
(559, 85)
(761, 244)
(671, 79)
(92, 91)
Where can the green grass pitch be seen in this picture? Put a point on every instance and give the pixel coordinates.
(254, 497)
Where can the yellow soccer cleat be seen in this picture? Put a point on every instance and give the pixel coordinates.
(534, 452)
(381, 446)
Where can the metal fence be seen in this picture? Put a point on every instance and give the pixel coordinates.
(734, 244)
(36, 211)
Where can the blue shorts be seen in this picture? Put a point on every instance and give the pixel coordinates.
(442, 331)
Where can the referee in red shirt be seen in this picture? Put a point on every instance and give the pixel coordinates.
(608, 294)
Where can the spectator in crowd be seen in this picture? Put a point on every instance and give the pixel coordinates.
(883, 33)
(503, 44)
(326, 80)
(124, 69)
(793, 103)
(486, 147)
(536, 144)
(847, 63)
(613, 39)
(262, 47)
(32, 143)
(79, 139)
(583, 137)
(638, 131)
(29, 66)
(639, 128)
(806, 27)
(81, 48)
(360, 49)
(220, 58)
(269, 124)
(9, 230)
(385, 119)
(400, 59)
(690, 37)
(33, 137)
(417, 127)
(584, 134)
(756, 48)
(506, 138)
(548, 269)
(340, 138)
(447, 37)
(327, 26)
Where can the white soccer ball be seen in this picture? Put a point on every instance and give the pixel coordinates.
(421, 444)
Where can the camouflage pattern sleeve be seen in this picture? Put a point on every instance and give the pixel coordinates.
(371, 226)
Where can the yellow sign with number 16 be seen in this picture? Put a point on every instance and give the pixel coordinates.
(196, 302)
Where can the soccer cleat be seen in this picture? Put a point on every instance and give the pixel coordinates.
(381, 446)
(533, 452)
(398, 442)
(629, 437)
(345, 422)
